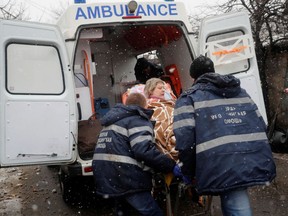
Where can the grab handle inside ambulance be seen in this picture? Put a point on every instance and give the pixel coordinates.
(79, 111)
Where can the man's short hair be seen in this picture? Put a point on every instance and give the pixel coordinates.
(137, 99)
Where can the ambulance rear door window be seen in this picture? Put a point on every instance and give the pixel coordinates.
(34, 69)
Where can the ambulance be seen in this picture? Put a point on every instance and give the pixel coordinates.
(53, 77)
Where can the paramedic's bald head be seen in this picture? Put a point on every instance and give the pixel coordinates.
(137, 99)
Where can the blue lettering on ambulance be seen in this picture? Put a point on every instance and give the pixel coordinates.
(106, 11)
(127, 11)
(173, 9)
(141, 11)
(117, 13)
(93, 14)
(151, 9)
(164, 11)
(80, 14)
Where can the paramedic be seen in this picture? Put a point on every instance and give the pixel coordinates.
(145, 70)
(125, 156)
(221, 138)
(163, 116)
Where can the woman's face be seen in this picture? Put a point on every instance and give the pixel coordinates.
(159, 91)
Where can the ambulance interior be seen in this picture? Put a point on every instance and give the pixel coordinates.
(105, 58)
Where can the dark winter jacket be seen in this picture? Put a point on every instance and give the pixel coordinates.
(145, 70)
(125, 152)
(221, 136)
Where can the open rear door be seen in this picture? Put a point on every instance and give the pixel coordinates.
(37, 98)
(227, 40)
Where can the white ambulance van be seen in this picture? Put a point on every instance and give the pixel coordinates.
(55, 76)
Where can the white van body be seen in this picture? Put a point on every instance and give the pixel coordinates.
(53, 76)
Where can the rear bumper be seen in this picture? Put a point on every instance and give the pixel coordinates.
(78, 169)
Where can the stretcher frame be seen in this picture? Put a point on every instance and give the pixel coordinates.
(172, 203)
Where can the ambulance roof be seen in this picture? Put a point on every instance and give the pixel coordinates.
(112, 12)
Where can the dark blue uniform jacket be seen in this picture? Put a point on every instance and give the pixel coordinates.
(221, 136)
(125, 153)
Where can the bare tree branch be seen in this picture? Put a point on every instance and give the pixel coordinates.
(11, 10)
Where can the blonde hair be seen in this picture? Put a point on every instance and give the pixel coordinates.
(137, 99)
(151, 85)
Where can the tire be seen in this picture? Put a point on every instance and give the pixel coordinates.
(77, 190)
(67, 188)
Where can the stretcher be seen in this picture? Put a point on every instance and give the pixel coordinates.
(177, 198)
